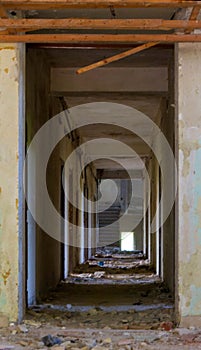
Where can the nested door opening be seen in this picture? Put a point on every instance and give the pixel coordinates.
(103, 261)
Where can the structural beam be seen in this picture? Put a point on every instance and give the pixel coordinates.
(193, 17)
(100, 38)
(119, 174)
(52, 4)
(195, 12)
(119, 79)
(100, 24)
(3, 13)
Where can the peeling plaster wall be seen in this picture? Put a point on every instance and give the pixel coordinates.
(41, 106)
(188, 69)
(10, 64)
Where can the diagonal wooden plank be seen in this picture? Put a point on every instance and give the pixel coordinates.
(116, 57)
(193, 17)
(195, 12)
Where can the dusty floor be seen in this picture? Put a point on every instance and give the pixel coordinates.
(31, 335)
(113, 301)
(115, 290)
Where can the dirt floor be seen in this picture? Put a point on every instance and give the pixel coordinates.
(113, 301)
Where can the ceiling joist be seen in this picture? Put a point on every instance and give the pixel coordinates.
(100, 38)
(100, 24)
(17, 30)
(53, 4)
(194, 14)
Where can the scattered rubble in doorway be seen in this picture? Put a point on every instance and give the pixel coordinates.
(118, 304)
(115, 297)
(46, 336)
(114, 265)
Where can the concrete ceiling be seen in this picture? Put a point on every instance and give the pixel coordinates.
(154, 57)
(150, 106)
(165, 13)
(105, 134)
(147, 102)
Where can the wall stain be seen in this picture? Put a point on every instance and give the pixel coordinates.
(187, 147)
(185, 205)
(7, 48)
(16, 203)
(5, 276)
(6, 70)
(191, 284)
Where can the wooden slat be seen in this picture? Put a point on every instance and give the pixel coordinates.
(115, 58)
(80, 23)
(3, 13)
(195, 13)
(193, 17)
(97, 38)
(52, 4)
(4, 32)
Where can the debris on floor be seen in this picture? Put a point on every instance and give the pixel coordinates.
(112, 266)
(114, 297)
(64, 338)
(118, 304)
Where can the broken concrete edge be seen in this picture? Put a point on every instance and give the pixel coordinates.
(190, 322)
(4, 321)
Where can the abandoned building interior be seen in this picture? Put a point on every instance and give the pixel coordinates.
(100, 163)
(50, 261)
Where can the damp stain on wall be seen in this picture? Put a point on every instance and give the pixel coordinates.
(5, 275)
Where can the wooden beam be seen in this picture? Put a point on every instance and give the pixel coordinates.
(194, 14)
(118, 57)
(4, 32)
(53, 4)
(102, 24)
(3, 13)
(193, 17)
(100, 38)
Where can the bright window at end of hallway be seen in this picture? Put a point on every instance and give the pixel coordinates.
(127, 241)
